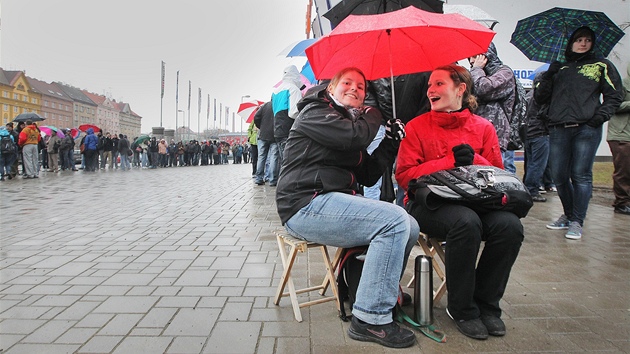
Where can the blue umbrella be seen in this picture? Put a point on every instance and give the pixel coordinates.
(296, 49)
(541, 68)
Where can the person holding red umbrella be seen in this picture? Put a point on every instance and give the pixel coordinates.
(448, 136)
(318, 197)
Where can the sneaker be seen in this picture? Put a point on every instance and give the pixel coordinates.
(551, 189)
(575, 231)
(494, 325)
(541, 190)
(561, 224)
(389, 335)
(623, 210)
(539, 198)
(471, 328)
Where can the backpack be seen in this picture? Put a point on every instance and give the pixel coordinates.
(348, 277)
(518, 120)
(56, 146)
(6, 145)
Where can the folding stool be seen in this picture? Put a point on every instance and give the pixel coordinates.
(294, 246)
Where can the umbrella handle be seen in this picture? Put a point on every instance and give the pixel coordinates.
(391, 73)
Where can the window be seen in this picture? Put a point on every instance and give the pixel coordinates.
(5, 94)
(25, 98)
(34, 100)
(45, 103)
(16, 96)
(15, 109)
(6, 107)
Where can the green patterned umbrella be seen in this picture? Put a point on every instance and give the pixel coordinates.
(543, 37)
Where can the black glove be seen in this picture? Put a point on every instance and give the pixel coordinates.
(395, 129)
(596, 121)
(553, 69)
(464, 155)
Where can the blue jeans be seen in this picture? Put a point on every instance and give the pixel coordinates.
(374, 192)
(571, 156)
(508, 161)
(537, 155)
(344, 220)
(267, 150)
(124, 162)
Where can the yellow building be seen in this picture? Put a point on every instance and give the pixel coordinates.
(16, 95)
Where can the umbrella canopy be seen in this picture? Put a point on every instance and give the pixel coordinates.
(85, 127)
(472, 12)
(142, 139)
(296, 49)
(32, 116)
(543, 37)
(247, 110)
(397, 43)
(48, 129)
(368, 7)
(541, 68)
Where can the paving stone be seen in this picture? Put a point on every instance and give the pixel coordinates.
(126, 304)
(100, 344)
(185, 345)
(43, 348)
(192, 322)
(248, 337)
(77, 335)
(121, 324)
(48, 332)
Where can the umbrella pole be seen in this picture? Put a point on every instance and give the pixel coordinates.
(391, 73)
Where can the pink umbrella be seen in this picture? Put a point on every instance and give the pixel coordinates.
(48, 129)
(247, 110)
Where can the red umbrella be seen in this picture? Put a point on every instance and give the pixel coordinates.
(247, 110)
(397, 43)
(85, 127)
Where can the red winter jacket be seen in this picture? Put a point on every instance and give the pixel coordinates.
(431, 136)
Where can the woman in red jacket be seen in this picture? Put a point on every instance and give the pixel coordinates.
(448, 136)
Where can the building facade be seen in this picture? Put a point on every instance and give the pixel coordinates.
(56, 106)
(17, 96)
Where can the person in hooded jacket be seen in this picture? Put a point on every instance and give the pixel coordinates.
(495, 89)
(573, 89)
(317, 197)
(284, 101)
(90, 151)
(449, 136)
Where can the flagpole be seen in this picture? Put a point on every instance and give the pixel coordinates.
(176, 104)
(199, 115)
(162, 95)
(189, 89)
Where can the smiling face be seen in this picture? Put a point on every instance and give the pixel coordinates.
(349, 90)
(582, 45)
(443, 93)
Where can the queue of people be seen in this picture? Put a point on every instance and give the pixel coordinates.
(26, 147)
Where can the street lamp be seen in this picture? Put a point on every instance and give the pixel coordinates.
(177, 116)
(243, 97)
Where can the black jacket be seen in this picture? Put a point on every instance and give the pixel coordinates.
(573, 93)
(536, 114)
(263, 119)
(326, 152)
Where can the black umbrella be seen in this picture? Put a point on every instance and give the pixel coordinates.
(371, 7)
(32, 116)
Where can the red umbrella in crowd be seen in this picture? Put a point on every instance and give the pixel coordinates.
(397, 43)
(247, 110)
(85, 127)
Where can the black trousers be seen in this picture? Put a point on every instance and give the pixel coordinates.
(473, 291)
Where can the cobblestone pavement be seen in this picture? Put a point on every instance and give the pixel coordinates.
(183, 260)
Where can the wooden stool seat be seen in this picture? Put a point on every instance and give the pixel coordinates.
(296, 246)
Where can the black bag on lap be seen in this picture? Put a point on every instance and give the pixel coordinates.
(481, 188)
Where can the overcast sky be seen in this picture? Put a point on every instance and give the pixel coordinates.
(228, 48)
